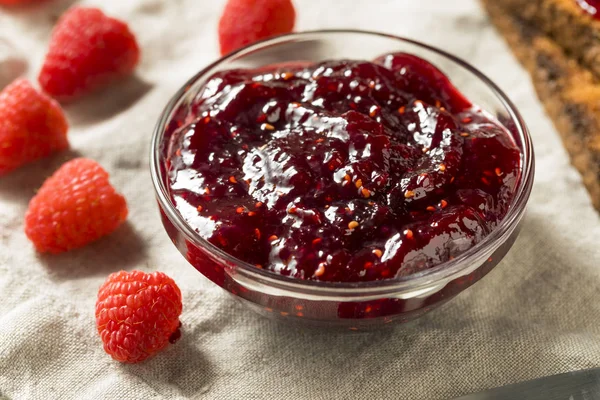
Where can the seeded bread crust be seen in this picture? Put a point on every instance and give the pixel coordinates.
(577, 32)
(569, 91)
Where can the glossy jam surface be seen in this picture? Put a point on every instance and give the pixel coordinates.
(592, 7)
(340, 171)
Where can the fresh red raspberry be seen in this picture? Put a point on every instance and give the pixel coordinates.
(87, 50)
(137, 314)
(32, 126)
(18, 2)
(74, 207)
(247, 21)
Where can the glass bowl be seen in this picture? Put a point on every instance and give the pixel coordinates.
(360, 305)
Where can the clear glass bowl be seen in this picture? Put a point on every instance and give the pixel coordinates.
(351, 305)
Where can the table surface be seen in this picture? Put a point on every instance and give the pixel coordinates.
(537, 313)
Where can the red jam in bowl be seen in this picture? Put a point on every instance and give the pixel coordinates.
(340, 171)
(590, 6)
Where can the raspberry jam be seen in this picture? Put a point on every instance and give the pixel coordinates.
(590, 6)
(340, 171)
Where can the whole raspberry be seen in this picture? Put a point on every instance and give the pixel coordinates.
(74, 207)
(137, 314)
(18, 2)
(87, 50)
(32, 126)
(247, 21)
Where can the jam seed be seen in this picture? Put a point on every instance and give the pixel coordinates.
(438, 104)
(267, 127)
(442, 167)
(299, 307)
(232, 179)
(378, 253)
(285, 314)
(287, 76)
(368, 309)
(418, 103)
(431, 208)
(498, 172)
(299, 314)
(258, 266)
(293, 210)
(320, 270)
(408, 194)
(316, 241)
(488, 173)
(251, 214)
(257, 233)
(464, 134)
(347, 178)
(401, 110)
(372, 84)
(206, 119)
(320, 140)
(368, 265)
(485, 180)
(358, 183)
(261, 118)
(373, 111)
(199, 208)
(409, 234)
(353, 224)
(239, 210)
(466, 120)
(366, 194)
(452, 179)
(273, 238)
(443, 203)
(178, 153)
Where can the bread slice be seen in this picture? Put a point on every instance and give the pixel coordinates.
(566, 85)
(564, 21)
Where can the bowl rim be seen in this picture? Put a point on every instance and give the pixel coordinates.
(443, 272)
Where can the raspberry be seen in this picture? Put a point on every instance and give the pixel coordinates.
(32, 126)
(87, 50)
(18, 2)
(74, 207)
(247, 21)
(137, 314)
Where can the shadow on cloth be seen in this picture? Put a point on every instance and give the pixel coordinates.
(20, 185)
(124, 249)
(116, 98)
(182, 366)
(40, 13)
(558, 277)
